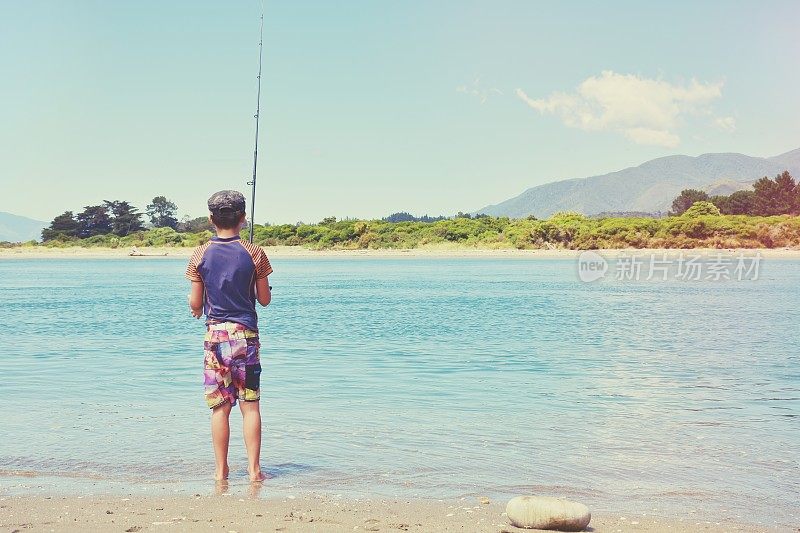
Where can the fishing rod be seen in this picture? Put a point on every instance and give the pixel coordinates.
(258, 113)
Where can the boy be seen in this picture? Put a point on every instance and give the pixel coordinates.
(228, 276)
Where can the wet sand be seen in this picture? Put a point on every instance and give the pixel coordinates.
(231, 512)
(30, 252)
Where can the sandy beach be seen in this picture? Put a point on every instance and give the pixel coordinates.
(234, 512)
(28, 252)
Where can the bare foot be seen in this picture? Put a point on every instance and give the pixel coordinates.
(221, 475)
(257, 476)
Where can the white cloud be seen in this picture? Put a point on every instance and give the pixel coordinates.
(477, 91)
(726, 123)
(646, 111)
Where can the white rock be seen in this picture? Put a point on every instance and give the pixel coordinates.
(544, 512)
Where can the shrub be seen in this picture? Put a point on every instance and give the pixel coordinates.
(701, 209)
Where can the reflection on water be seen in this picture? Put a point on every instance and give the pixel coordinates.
(426, 377)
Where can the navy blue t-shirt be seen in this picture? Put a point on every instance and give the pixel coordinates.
(228, 269)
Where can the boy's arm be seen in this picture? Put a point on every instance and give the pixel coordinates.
(196, 299)
(263, 269)
(263, 293)
(196, 295)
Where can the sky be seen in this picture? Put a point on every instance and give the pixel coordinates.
(372, 107)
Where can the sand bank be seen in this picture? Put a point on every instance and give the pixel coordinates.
(244, 512)
(432, 252)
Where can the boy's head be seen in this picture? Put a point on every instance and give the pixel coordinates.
(227, 209)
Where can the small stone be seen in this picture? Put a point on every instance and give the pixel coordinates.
(544, 512)
(484, 500)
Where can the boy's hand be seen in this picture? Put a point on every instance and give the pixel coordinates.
(263, 291)
(197, 312)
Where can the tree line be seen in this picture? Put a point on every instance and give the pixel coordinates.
(404, 216)
(119, 218)
(769, 197)
(700, 226)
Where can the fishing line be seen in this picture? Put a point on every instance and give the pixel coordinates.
(258, 113)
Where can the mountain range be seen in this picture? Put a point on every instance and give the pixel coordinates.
(15, 228)
(650, 187)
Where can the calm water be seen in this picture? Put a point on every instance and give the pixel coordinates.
(426, 377)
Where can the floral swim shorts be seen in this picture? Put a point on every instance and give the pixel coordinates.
(232, 364)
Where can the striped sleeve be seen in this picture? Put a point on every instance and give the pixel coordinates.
(260, 260)
(263, 268)
(192, 273)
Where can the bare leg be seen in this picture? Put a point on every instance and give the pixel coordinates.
(220, 436)
(251, 428)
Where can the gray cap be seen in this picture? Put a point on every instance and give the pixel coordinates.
(226, 201)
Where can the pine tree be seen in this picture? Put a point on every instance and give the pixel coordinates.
(94, 220)
(162, 213)
(64, 225)
(127, 218)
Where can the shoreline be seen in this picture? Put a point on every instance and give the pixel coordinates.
(42, 252)
(242, 510)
